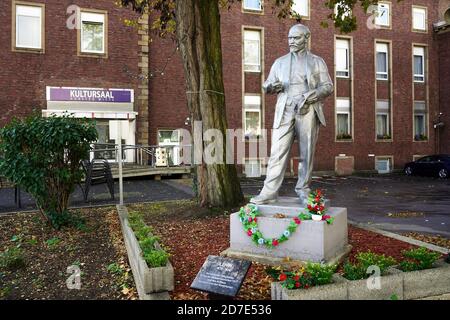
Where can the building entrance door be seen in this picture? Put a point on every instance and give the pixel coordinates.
(107, 139)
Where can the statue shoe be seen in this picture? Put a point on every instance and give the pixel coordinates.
(262, 199)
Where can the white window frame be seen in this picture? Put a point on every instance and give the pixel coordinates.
(246, 64)
(339, 45)
(378, 19)
(17, 5)
(424, 12)
(390, 161)
(256, 162)
(260, 9)
(295, 4)
(380, 48)
(343, 106)
(419, 51)
(388, 128)
(104, 20)
(250, 107)
(422, 112)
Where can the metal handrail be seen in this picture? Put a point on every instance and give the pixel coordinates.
(141, 152)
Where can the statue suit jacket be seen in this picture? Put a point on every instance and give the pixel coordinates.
(316, 74)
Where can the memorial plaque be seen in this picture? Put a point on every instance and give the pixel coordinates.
(221, 276)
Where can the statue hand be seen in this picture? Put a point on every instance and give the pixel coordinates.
(277, 87)
(312, 98)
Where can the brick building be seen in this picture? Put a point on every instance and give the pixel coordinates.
(48, 63)
(391, 76)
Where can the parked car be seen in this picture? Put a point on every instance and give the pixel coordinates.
(434, 165)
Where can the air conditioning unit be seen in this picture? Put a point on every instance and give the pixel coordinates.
(161, 157)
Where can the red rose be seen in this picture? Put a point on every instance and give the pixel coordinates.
(296, 278)
(275, 242)
(283, 277)
(317, 199)
(297, 284)
(321, 208)
(309, 207)
(250, 219)
(326, 217)
(249, 232)
(319, 193)
(297, 220)
(256, 219)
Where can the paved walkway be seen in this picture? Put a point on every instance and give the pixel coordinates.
(394, 203)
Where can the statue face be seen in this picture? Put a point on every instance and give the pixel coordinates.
(297, 40)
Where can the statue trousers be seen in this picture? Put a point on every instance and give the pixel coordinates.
(293, 125)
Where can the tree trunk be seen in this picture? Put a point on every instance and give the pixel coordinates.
(198, 35)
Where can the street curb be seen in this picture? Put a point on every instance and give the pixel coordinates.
(400, 237)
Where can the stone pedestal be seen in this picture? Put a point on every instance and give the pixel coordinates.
(314, 241)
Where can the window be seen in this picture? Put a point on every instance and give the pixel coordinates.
(346, 11)
(300, 7)
(93, 35)
(419, 18)
(342, 58)
(252, 50)
(420, 121)
(419, 64)
(252, 168)
(168, 137)
(382, 61)
(252, 115)
(383, 128)
(383, 17)
(254, 5)
(383, 164)
(29, 26)
(343, 119)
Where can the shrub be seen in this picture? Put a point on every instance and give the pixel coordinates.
(418, 259)
(42, 156)
(12, 259)
(147, 242)
(313, 274)
(358, 270)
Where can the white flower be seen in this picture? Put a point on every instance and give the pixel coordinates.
(286, 233)
(260, 241)
(254, 230)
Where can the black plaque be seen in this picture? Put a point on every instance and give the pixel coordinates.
(221, 276)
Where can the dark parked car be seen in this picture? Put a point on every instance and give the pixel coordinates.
(435, 165)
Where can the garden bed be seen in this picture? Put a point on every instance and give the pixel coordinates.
(152, 282)
(97, 248)
(190, 235)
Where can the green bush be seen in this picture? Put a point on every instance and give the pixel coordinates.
(358, 270)
(153, 256)
(320, 274)
(42, 156)
(313, 274)
(12, 259)
(418, 259)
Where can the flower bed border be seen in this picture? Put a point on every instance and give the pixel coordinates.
(151, 283)
(404, 285)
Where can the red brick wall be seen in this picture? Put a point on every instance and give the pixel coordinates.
(24, 76)
(168, 104)
(444, 74)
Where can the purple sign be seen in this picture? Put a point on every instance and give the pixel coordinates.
(91, 95)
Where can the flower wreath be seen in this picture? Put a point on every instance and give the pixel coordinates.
(249, 218)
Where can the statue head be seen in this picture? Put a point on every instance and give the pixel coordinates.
(298, 37)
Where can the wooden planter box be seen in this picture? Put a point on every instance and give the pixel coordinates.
(404, 285)
(148, 280)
